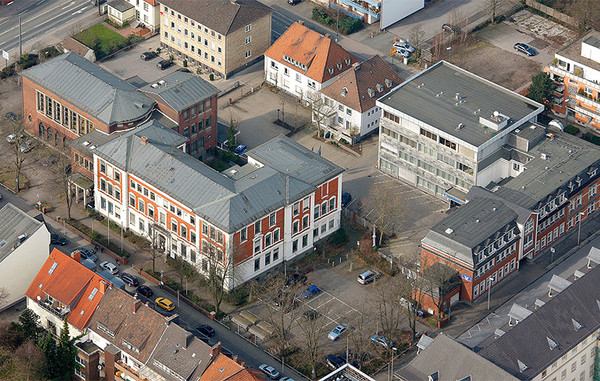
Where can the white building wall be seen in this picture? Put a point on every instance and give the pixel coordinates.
(46, 316)
(20, 268)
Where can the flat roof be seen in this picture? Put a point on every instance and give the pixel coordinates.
(555, 162)
(13, 223)
(430, 97)
(573, 50)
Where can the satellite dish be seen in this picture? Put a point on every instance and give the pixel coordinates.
(38, 298)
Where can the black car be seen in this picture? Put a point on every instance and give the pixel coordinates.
(346, 198)
(55, 239)
(86, 254)
(162, 65)
(334, 361)
(145, 290)
(524, 48)
(147, 56)
(129, 280)
(206, 330)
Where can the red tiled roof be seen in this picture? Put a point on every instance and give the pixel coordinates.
(221, 368)
(322, 57)
(68, 281)
(247, 375)
(357, 82)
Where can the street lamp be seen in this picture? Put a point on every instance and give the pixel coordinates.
(490, 280)
(581, 214)
(277, 114)
(449, 49)
(552, 250)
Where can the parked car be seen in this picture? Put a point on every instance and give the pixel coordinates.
(162, 65)
(334, 361)
(240, 150)
(524, 48)
(86, 254)
(346, 198)
(206, 330)
(147, 56)
(129, 280)
(311, 291)
(26, 146)
(286, 379)
(56, 239)
(404, 45)
(403, 52)
(111, 268)
(368, 276)
(337, 332)
(165, 304)
(145, 290)
(269, 371)
(12, 138)
(293, 2)
(384, 342)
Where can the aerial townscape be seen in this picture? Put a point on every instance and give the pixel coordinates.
(325, 190)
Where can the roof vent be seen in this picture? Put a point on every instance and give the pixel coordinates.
(494, 208)
(356, 64)
(144, 139)
(154, 85)
(85, 143)
(388, 82)
(434, 376)
(344, 91)
(460, 126)
(522, 366)
(301, 22)
(371, 92)
(477, 220)
(449, 231)
(162, 82)
(551, 343)
(347, 61)
(543, 156)
(174, 350)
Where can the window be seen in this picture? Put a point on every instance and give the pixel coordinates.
(141, 205)
(304, 240)
(256, 264)
(102, 167)
(272, 219)
(257, 246)
(117, 175)
(183, 229)
(102, 185)
(296, 209)
(304, 222)
(248, 39)
(257, 227)
(392, 117)
(429, 134)
(295, 246)
(323, 208)
(248, 54)
(275, 254)
(243, 234)
(248, 27)
(331, 224)
(192, 237)
(268, 240)
(316, 212)
(132, 200)
(174, 225)
(296, 227)
(276, 235)
(332, 203)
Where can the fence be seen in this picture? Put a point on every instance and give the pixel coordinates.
(552, 12)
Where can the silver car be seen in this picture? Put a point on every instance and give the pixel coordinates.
(269, 371)
(111, 268)
(337, 331)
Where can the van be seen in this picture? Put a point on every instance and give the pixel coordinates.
(367, 277)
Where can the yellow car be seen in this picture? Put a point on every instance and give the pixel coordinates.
(165, 304)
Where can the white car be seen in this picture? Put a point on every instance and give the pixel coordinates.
(109, 267)
(403, 52)
(404, 45)
(269, 371)
(337, 332)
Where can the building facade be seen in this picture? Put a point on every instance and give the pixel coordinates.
(248, 219)
(576, 71)
(147, 12)
(220, 36)
(444, 130)
(347, 108)
(302, 61)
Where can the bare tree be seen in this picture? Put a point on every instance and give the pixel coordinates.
(416, 36)
(359, 337)
(29, 360)
(492, 7)
(406, 287)
(320, 111)
(17, 131)
(220, 272)
(436, 280)
(384, 209)
(389, 310)
(313, 328)
(64, 175)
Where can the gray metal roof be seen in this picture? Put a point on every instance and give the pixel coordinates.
(87, 143)
(453, 361)
(231, 199)
(522, 212)
(181, 352)
(566, 157)
(430, 97)
(223, 16)
(13, 223)
(566, 319)
(91, 89)
(120, 5)
(461, 233)
(180, 90)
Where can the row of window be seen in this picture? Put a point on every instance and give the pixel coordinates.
(109, 189)
(266, 259)
(257, 227)
(63, 115)
(198, 109)
(193, 49)
(497, 276)
(199, 26)
(269, 239)
(84, 162)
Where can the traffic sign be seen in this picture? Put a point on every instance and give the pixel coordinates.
(5, 55)
(393, 51)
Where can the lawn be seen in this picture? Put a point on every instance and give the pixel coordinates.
(100, 36)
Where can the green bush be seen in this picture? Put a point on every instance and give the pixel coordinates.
(50, 52)
(350, 25)
(8, 71)
(185, 63)
(591, 138)
(28, 60)
(237, 297)
(211, 77)
(319, 14)
(570, 129)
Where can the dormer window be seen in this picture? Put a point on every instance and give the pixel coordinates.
(347, 60)
(371, 92)
(330, 69)
(339, 65)
(344, 92)
(379, 87)
(388, 83)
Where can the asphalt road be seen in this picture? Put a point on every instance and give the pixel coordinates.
(38, 18)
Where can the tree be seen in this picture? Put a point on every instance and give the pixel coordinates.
(65, 177)
(389, 311)
(29, 325)
(29, 360)
(48, 347)
(155, 253)
(410, 298)
(313, 329)
(542, 88)
(383, 208)
(66, 352)
(231, 134)
(15, 128)
(320, 111)
(220, 273)
(436, 280)
(492, 6)
(359, 337)
(416, 36)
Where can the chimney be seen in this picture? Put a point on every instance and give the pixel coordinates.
(301, 22)
(144, 139)
(136, 305)
(327, 35)
(103, 287)
(76, 255)
(215, 350)
(187, 341)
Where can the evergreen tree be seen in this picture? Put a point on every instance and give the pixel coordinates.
(29, 326)
(541, 88)
(65, 354)
(48, 347)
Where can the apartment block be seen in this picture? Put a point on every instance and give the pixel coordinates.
(347, 109)
(251, 217)
(220, 36)
(301, 62)
(385, 12)
(576, 71)
(443, 130)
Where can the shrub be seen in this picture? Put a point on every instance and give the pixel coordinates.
(211, 77)
(570, 129)
(171, 57)
(158, 49)
(7, 71)
(591, 138)
(28, 60)
(350, 25)
(185, 63)
(319, 14)
(50, 52)
(199, 70)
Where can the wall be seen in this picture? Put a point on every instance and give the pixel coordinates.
(395, 10)
(552, 12)
(236, 47)
(20, 268)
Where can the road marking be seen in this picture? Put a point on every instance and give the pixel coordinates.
(25, 11)
(79, 11)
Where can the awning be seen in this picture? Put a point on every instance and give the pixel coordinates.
(456, 195)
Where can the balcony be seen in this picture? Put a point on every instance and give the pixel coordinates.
(124, 369)
(593, 102)
(587, 112)
(576, 74)
(53, 308)
(363, 7)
